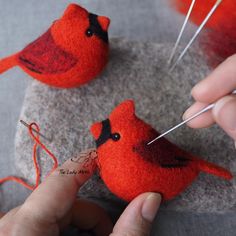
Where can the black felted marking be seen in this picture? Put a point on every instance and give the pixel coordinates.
(173, 165)
(181, 162)
(31, 66)
(96, 28)
(183, 159)
(105, 133)
(26, 61)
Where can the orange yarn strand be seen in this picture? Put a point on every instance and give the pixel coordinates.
(34, 157)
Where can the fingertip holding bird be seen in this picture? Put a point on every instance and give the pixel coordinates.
(150, 206)
(138, 216)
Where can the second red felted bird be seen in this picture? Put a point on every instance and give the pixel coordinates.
(129, 166)
(73, 51)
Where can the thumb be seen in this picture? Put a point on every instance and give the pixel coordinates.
(138, 216)
(224, 113)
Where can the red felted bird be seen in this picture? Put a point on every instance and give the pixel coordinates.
(129, 166)
(218, 41)
(73, 51)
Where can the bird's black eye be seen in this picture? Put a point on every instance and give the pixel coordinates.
(89, 33)
(115, 136)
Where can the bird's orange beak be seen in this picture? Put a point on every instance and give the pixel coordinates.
(104, 22)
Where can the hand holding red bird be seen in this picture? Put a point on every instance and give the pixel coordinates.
(73, 51)
(130, 167)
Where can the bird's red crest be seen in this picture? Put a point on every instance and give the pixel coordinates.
(104, 22)
(126, 110)
(74, 10)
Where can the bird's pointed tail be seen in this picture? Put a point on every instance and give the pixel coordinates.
(7, 63)
(214, 170)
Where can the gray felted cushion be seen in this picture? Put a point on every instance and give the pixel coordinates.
(137, 71)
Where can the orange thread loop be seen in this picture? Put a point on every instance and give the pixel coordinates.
(34, 157)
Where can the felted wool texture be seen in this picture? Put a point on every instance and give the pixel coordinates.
(130, 167)
(136, 71)
(73, 51)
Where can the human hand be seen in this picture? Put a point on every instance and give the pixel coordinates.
(216, 88)
(53, 206)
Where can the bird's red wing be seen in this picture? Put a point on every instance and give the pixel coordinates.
(43, 56)
(162, 152)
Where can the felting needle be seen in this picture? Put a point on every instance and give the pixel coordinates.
(196, 34)
(209, 107)
(27, 125)
(181, 31)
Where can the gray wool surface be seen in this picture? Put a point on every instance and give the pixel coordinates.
(136, 71)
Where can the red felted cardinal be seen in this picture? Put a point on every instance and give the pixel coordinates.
(129, 166)
(218, 41)
(73, 51)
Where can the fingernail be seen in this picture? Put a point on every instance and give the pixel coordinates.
(191, 92)
(225, 112)
(150, 206)
(201, 86)
(197, 87)
(185, 115)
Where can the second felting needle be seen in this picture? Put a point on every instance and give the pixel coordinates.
(218, 2)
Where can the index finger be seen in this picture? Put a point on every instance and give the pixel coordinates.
(55, 196)
(220, 82)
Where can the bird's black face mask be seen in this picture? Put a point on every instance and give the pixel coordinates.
(95, 28)
(106, 133)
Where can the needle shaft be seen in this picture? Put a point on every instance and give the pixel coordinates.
(209, 107)
(183, 122)
(181, 31)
